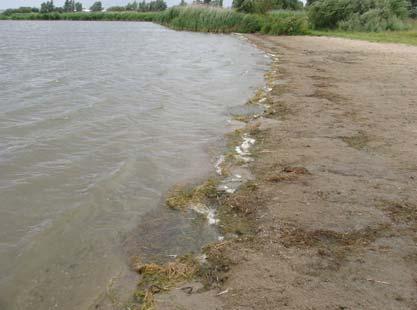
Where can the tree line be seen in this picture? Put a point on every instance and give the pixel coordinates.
(152, 6)
(411, 5)
(349, 14)
(332, 12)
(73, 6)
(262, 6)
(69, 6)
(218, 3)
(159, 5)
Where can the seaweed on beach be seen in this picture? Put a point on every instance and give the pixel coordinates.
(181, 197)
(157, 278)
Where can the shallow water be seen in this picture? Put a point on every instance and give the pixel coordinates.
(97, 121)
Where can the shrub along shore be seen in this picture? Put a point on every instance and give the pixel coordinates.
(193, 18)
(372, 20)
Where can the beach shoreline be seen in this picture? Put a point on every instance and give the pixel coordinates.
(330, 212)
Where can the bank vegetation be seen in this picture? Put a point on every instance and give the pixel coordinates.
(375, 20)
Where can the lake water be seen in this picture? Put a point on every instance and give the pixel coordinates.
(97, 121)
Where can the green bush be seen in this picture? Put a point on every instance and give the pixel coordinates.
(284, 23)
(359, 15)
(263, 6)
(209, 19)
(255, 6)
(373, 20)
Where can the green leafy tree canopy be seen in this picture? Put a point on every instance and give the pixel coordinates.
(97, 7)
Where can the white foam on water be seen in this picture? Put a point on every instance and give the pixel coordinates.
(202, 258)
(230, 190)
(218, 165)
(243, 149)
(227, 189)
(210, 214)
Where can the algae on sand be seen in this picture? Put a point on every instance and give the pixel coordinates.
(181, 197)
(158, 278)
(358, 141)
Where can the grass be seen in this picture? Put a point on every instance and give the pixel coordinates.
(408, 37)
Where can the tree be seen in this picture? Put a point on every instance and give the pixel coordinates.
(359, 15)
(134, 6)
(153, 6)
(413, 8)
(287, 4)
(262, 6)
(78, 7)
(22, 9)
(183, 3)
(69, 6)
(237, 4)
(157, 5)
(48, 6)
(161, 5)
(96, 7)
(116, 8)
(253, 6)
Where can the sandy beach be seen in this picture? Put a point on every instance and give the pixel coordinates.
(332, 208)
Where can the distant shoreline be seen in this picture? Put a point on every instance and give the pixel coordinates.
(193, 18)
